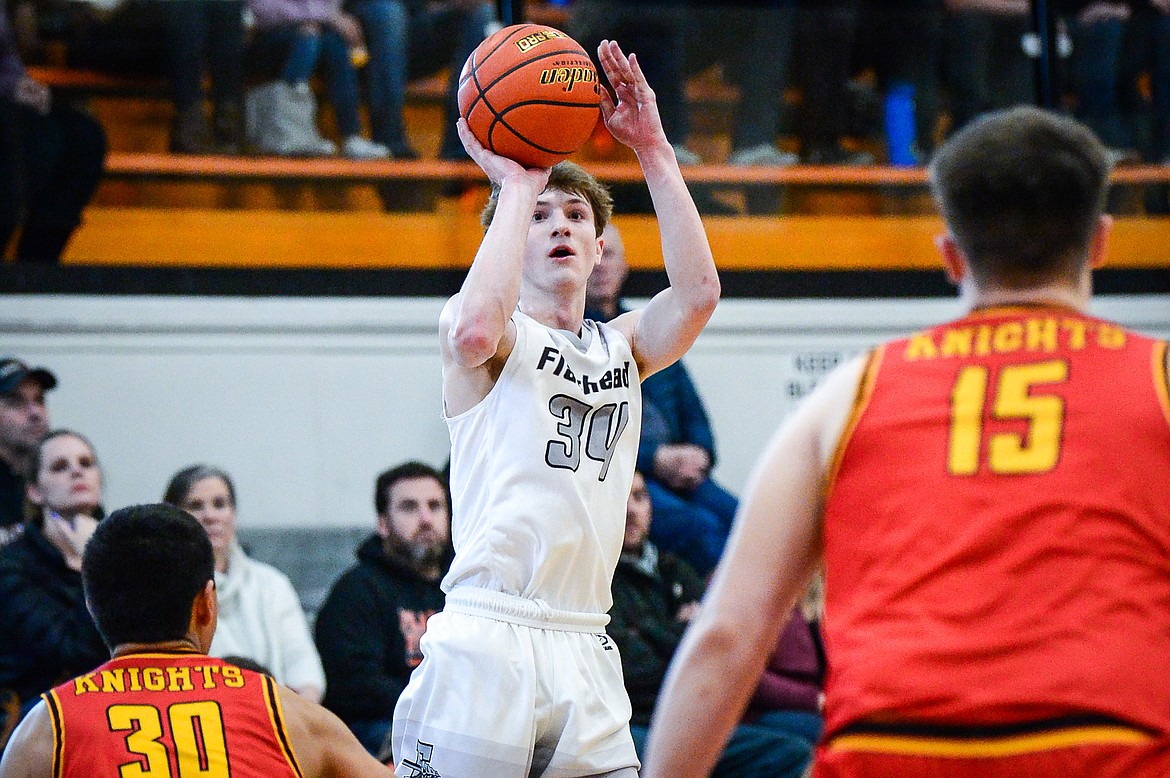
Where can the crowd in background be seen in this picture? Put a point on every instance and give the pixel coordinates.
(366, 640)
(952, 58)
(365, 643)
(818, 81)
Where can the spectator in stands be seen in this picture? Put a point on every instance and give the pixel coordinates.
(1151, 52)
(46, 634)
(369, 627)
(655, 594)
(119, 37)
(902, 41)
(24, 422)
(825, 41)
(656, 29)
(409, 39)
(676, 452)
(207, 34)
(753, 40)
(51, 159)
(260, 616)
(1098, 34)
(789, 696)
(985, 67)
(300, 34)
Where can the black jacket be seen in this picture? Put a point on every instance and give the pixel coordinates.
(46, 634)
(643, 624)
(11, 503)
(368, 630)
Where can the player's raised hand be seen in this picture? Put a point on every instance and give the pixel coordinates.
(633, 119)
(496, 167)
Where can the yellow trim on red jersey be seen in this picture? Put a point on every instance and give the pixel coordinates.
(54, 706)
(860, 402)
(276, 716)
(976, 748)
(1161, 367)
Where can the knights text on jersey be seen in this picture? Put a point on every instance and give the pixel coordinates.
(169, 714)
(542, 466)
(997, 527)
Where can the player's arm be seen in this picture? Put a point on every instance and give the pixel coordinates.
(30, 750)
(475, 322)
(324, 746)
(666, 328)
(773, 549)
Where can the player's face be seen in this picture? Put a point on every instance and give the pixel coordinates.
(210, 501)
(69, 480)
(637, 515)
(24, 420)
(563, 246)
(418, 515)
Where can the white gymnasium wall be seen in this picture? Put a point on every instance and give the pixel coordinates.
(304, 401)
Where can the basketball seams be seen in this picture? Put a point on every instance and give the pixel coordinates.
(529, 79)
(487, 55)
(475, 66)
(473, 74)
(504, 74)
(482, 90)
(498, 119)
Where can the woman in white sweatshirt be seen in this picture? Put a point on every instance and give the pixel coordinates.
(260, 616)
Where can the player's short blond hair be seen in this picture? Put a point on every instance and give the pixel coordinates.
(567, 177)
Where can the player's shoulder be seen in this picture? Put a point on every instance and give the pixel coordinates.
(625, 324)
(30, 750)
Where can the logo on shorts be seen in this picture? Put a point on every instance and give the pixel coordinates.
(422, 767)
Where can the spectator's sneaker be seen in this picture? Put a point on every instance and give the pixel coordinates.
(357, 147)
(685, 156)
(764, 154)
(319, 147)
(228, 127)
(190, 133)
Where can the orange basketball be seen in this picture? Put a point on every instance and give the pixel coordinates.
(530, 93)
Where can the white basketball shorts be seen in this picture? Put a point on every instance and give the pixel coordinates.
(509, 688)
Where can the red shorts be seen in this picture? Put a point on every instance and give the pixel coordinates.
(897, 757)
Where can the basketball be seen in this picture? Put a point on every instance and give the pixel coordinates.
(530, 93)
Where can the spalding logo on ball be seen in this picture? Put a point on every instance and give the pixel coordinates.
(530, 93)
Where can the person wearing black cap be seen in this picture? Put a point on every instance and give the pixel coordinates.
(24, 421)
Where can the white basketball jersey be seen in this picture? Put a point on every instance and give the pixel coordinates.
(542, 466)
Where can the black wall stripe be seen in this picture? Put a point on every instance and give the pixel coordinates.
(247, 282)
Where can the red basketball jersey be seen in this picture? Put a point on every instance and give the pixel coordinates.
(997, 527)
(180, 715)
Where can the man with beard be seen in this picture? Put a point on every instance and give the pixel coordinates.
(369, 628)
(24, 421)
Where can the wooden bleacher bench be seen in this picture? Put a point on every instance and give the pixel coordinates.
(82, 82)
(92, 82)
(245, 168)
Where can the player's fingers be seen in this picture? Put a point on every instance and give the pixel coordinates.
(474, 148)
(604, 58)
(636, 70)
(607, 106)
(615, 64)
